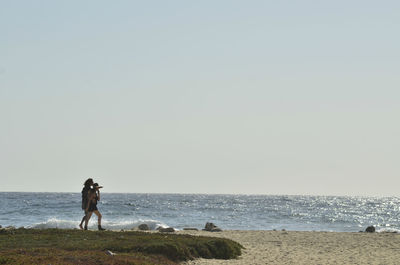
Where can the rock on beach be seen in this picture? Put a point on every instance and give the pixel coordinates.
(144, 227)
(166, 230)
(370, 229)
(210, 227)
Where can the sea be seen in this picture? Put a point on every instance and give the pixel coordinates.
(229, 212)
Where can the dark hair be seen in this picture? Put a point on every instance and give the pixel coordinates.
(88, 182)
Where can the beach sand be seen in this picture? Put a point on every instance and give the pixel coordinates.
(281, 247)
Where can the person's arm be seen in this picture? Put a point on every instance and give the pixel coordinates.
(98, 195)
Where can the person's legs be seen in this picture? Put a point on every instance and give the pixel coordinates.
(98, 219)
(83, 220)
(88, 215)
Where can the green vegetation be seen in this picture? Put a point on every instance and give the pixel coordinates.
(60, 246)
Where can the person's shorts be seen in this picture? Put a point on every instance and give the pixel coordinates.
(92, 208)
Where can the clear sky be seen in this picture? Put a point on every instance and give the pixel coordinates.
(252, 97)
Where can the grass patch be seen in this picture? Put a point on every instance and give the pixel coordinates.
(61, 246)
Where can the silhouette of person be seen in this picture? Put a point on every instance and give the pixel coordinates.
(85, 198)
(93, 198)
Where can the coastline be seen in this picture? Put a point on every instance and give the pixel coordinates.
(293, 247)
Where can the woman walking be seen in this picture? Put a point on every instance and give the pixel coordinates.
(93, 198)
(85, 195)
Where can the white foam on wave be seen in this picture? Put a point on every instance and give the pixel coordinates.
(110, 225)
(388, 230)
(126, 225)
(56, 223)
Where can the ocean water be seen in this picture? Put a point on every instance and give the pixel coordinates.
(242, 212)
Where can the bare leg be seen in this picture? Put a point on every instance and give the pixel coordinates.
(98, 219)
(83, 220)
(88, 215)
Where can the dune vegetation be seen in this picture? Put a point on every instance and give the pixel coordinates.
(62, 246)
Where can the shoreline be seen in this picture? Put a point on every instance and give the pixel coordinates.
(307, 247)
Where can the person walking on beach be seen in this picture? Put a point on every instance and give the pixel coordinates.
(93, 198)
(85, 195)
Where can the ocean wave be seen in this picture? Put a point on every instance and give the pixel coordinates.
(115, 225)
(388, 230)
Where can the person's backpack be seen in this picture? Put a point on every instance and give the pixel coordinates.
(84, 198)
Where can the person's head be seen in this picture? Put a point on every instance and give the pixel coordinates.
(88, 182)
(96, 186)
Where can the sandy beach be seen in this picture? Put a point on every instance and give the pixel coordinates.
(290, 247)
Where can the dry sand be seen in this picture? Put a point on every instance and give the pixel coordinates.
(281, 247)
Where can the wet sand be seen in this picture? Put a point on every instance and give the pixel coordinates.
(281, 247)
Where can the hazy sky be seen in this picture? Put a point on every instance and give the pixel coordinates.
(264, 97)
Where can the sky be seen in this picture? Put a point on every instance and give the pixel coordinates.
(216, 97)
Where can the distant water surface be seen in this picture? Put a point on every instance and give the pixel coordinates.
(242, 212)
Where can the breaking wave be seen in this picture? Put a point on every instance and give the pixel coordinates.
(72, 224)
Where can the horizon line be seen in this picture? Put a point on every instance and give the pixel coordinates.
(211, 194)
